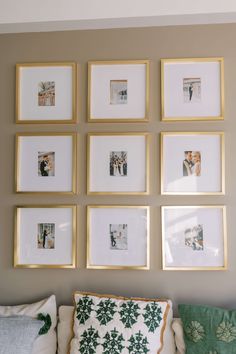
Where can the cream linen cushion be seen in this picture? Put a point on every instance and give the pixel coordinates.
(45, 343)
(179, 335)
(65, 328)
(149, 325)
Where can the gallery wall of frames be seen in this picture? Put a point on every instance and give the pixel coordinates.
(118, 164)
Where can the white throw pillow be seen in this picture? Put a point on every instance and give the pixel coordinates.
(45, 343)
(179, 335)
(149, 324)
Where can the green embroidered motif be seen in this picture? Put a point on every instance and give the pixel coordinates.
(138, 344)
(129, 313)
(113, 342)
(106, 311)
(195, 331)
(47, 323)
(89, 342)
(83, 309)
(152, 316)
(226, 332)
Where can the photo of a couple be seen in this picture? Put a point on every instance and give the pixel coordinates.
(46, 164)
(46, 235)
(118, 163)
(192, 163)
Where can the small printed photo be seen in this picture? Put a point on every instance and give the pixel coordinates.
(118, 236)
(46, 164)
(192, 163)
(192, 90)
(46, 236)
(118, 91)
(118, 163)
(194, 238)
(46, 93)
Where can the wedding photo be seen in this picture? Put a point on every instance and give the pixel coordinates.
(118, 92)
(192, 90)
(46, 164)
(192, 163)
(46, 93)
(118, 163)
(118, 236)
(46, 236)
(194, 238)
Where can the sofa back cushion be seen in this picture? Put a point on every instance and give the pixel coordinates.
(64, 328)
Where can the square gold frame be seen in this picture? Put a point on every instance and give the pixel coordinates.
(90, 119)
(90, 266)
(197, 268)
(192, 118)
(74, 163)
(17, 237)
(221, 134)
(147, 137)
(69, 120)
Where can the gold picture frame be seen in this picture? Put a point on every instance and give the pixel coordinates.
(43, 249)
(132, 81)
(201, 96)
(29, 177)
(46, 93)
(132, 222)
(194, 238)
(209, 147)
(102, 148)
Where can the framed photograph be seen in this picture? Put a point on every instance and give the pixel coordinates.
(46, 162)
(46, 93)
(118, 91)
(192, 163)
(118, 163)
(194, 238)
(192, 89)
(118, 237)
(45, 236)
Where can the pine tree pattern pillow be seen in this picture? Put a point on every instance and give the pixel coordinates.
(106, 324)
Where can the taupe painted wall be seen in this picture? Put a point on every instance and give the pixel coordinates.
(24, 285)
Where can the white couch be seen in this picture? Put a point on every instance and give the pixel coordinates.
(57, 339)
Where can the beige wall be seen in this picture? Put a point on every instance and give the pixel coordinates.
(21, 285)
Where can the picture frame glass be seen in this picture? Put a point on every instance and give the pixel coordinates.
(192, 89)
(118, 163)
(45, 236)
(118, 237)
(118, 91)
(46, 93)
(193, 237)
(45, 163)
(192, 163)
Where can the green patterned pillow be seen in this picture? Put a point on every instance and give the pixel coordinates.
(208, 330)
(105, 324)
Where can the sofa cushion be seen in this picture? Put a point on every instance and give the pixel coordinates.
(208, 329)
(102, 322)
(179, 335)
(64, 328)
(47, 311)
(18, 333)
